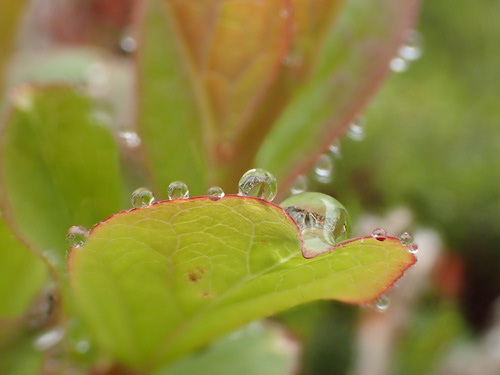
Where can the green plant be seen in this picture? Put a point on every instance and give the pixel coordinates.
(218, 92)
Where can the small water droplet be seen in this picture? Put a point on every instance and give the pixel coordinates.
(323, 169)
(322, 219)
(178, 190)
(258, 183)
(82, 346)
(49, 339)
(406, 238)
(215, 193)
(128, 44)
(412, 248)
(357, 129)
(334, 149)
(382, 303)
(142, 197)
(379, 234)
(77, 236)
(412, 49)
(398, 65)
(131, 139)
(299, 185)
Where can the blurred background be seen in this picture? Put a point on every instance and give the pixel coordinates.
(426, 161)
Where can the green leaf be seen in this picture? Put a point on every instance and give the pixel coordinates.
(256, 349)
(59, 167)
(19, 357)
(168, 120)
(350, 68)
(156, 283)
(9, 18)
(22, 274)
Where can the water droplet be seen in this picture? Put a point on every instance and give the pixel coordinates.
(357, 129)
(334, 149)
(215, 193)
(323, 169)
(128, 44)
(379, 234)
(382, 303)
(299, 185)
(82, 346)
(322, 219)
(412, 248)
(49, 339)
(406, 238)
(412, 50)
(142, 197)
(178, 190)
(258, 183)
(131, 139)
(77, 236)
(398, 65)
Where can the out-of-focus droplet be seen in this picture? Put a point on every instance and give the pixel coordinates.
(82, 346)
(258, 183)
(77, 236)
(412, 49)
(322, 220)
(379, 234)
(97, 78)
(299, 185)
(382, 303)
(334, 149)
(178, 190)
(323, 169)
(398, 65)
(49, 339)
(142, 197)
(128, 44)
(215, 193)
(131, 139)
(356, 129)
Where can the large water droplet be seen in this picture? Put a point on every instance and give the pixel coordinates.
(323, 220)
(131, 139)
(77, 236)
(412, 49)
(49, 339)
(215, 193)
(142, 197)
(357, 129)
(178, 190)
(379, 234)
(258, 183)
(382, 303)
(299, 185)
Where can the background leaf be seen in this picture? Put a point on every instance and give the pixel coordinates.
(22, 274)
(254, 350)
(49, 178)
(350, 68)
(156, 283)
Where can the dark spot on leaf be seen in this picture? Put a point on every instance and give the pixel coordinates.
(194, 277)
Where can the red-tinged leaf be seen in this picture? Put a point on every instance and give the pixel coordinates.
(157, 282)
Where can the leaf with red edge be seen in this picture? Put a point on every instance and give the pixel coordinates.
(350, 68)
(158, 282)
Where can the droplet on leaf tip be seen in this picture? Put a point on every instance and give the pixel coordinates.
(258, 183)
(178, 190)
(379, 234)
(77, 236)
(382, 303)
(215, 193)
(412, 248)
(142, 197)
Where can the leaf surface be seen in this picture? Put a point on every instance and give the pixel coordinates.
(22, 274)
(58, 167)
(158, 282)
(254, 350)
(350, 67)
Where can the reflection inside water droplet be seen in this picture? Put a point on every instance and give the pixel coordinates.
(215, 193)
(142, 197)
(77, 236)
(258, 183)
(178, 190)
(322, 220)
